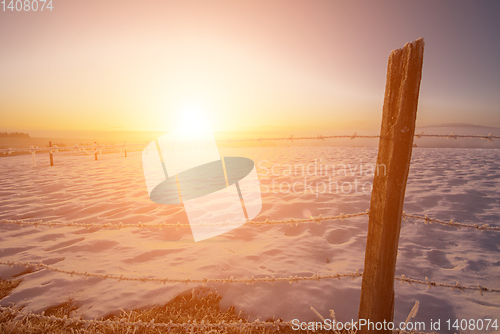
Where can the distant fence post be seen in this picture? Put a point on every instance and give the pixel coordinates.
(125, 148)
(51, 156)
(404, 71)
(95, 150)
(33, 152)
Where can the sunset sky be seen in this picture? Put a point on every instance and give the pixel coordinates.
(132, 65)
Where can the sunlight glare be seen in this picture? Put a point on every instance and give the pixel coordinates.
(192, 123)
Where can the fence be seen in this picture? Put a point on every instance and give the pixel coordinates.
(289, 221)
(97, 149)
(252, 280)
(231, 280)
(93, 148)
(396, 138)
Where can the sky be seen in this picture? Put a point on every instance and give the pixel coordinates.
(321, 64)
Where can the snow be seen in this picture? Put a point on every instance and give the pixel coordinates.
(458, 184)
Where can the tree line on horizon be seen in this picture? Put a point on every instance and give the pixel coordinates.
(14, 135)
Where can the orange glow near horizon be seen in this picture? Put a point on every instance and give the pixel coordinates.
(277, 65)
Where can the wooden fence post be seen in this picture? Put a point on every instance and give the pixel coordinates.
(95, 150)
(51, 155)
(404, 71)
(125, 147)
(33, 152)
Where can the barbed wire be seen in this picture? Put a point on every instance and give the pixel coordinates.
(276, 324)
(489, 137)
(75, 148)
(292, 138)
(187, 326)
(252, 280)
(55, 149)
(456, 286)
(428, 220)
(290, 221)
(452, 135)
(291, 279)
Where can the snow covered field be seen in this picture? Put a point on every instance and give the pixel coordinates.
(458, 184)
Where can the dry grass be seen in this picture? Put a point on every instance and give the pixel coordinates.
(202, 304)
(198, 305)
(7, 286)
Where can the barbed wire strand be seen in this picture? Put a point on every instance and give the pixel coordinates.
(457, 286)
(190, 325)
(452, 135)
(489, 137)
(252, 280)
(290, 221)
(75, 148)
(55, 149)
(428, 220)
